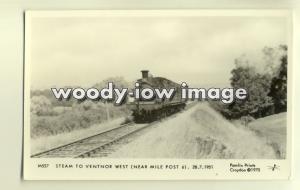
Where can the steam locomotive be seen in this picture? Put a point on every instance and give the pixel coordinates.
(145, 111)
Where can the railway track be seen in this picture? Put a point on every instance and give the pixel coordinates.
(99, 145)
(85, 147)
(105, 151)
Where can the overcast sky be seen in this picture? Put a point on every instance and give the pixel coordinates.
(197, 50)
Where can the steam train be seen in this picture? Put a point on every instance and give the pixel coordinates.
(146, 111)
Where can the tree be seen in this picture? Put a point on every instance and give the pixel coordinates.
(266, 89)
(119, 83)
(257, 86)
(272, 58)
(278, 87)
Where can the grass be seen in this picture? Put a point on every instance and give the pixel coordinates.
(198, 133)
(47, 142)
(273, 129)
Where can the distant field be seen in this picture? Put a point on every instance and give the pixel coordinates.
(273, 128)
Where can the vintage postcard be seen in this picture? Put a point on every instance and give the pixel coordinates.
(158, 95)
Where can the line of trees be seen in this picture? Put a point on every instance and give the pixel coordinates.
(267, 89)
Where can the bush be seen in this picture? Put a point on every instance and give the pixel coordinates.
(82, 115)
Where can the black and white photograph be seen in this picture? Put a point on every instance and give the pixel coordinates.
(187, 86)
